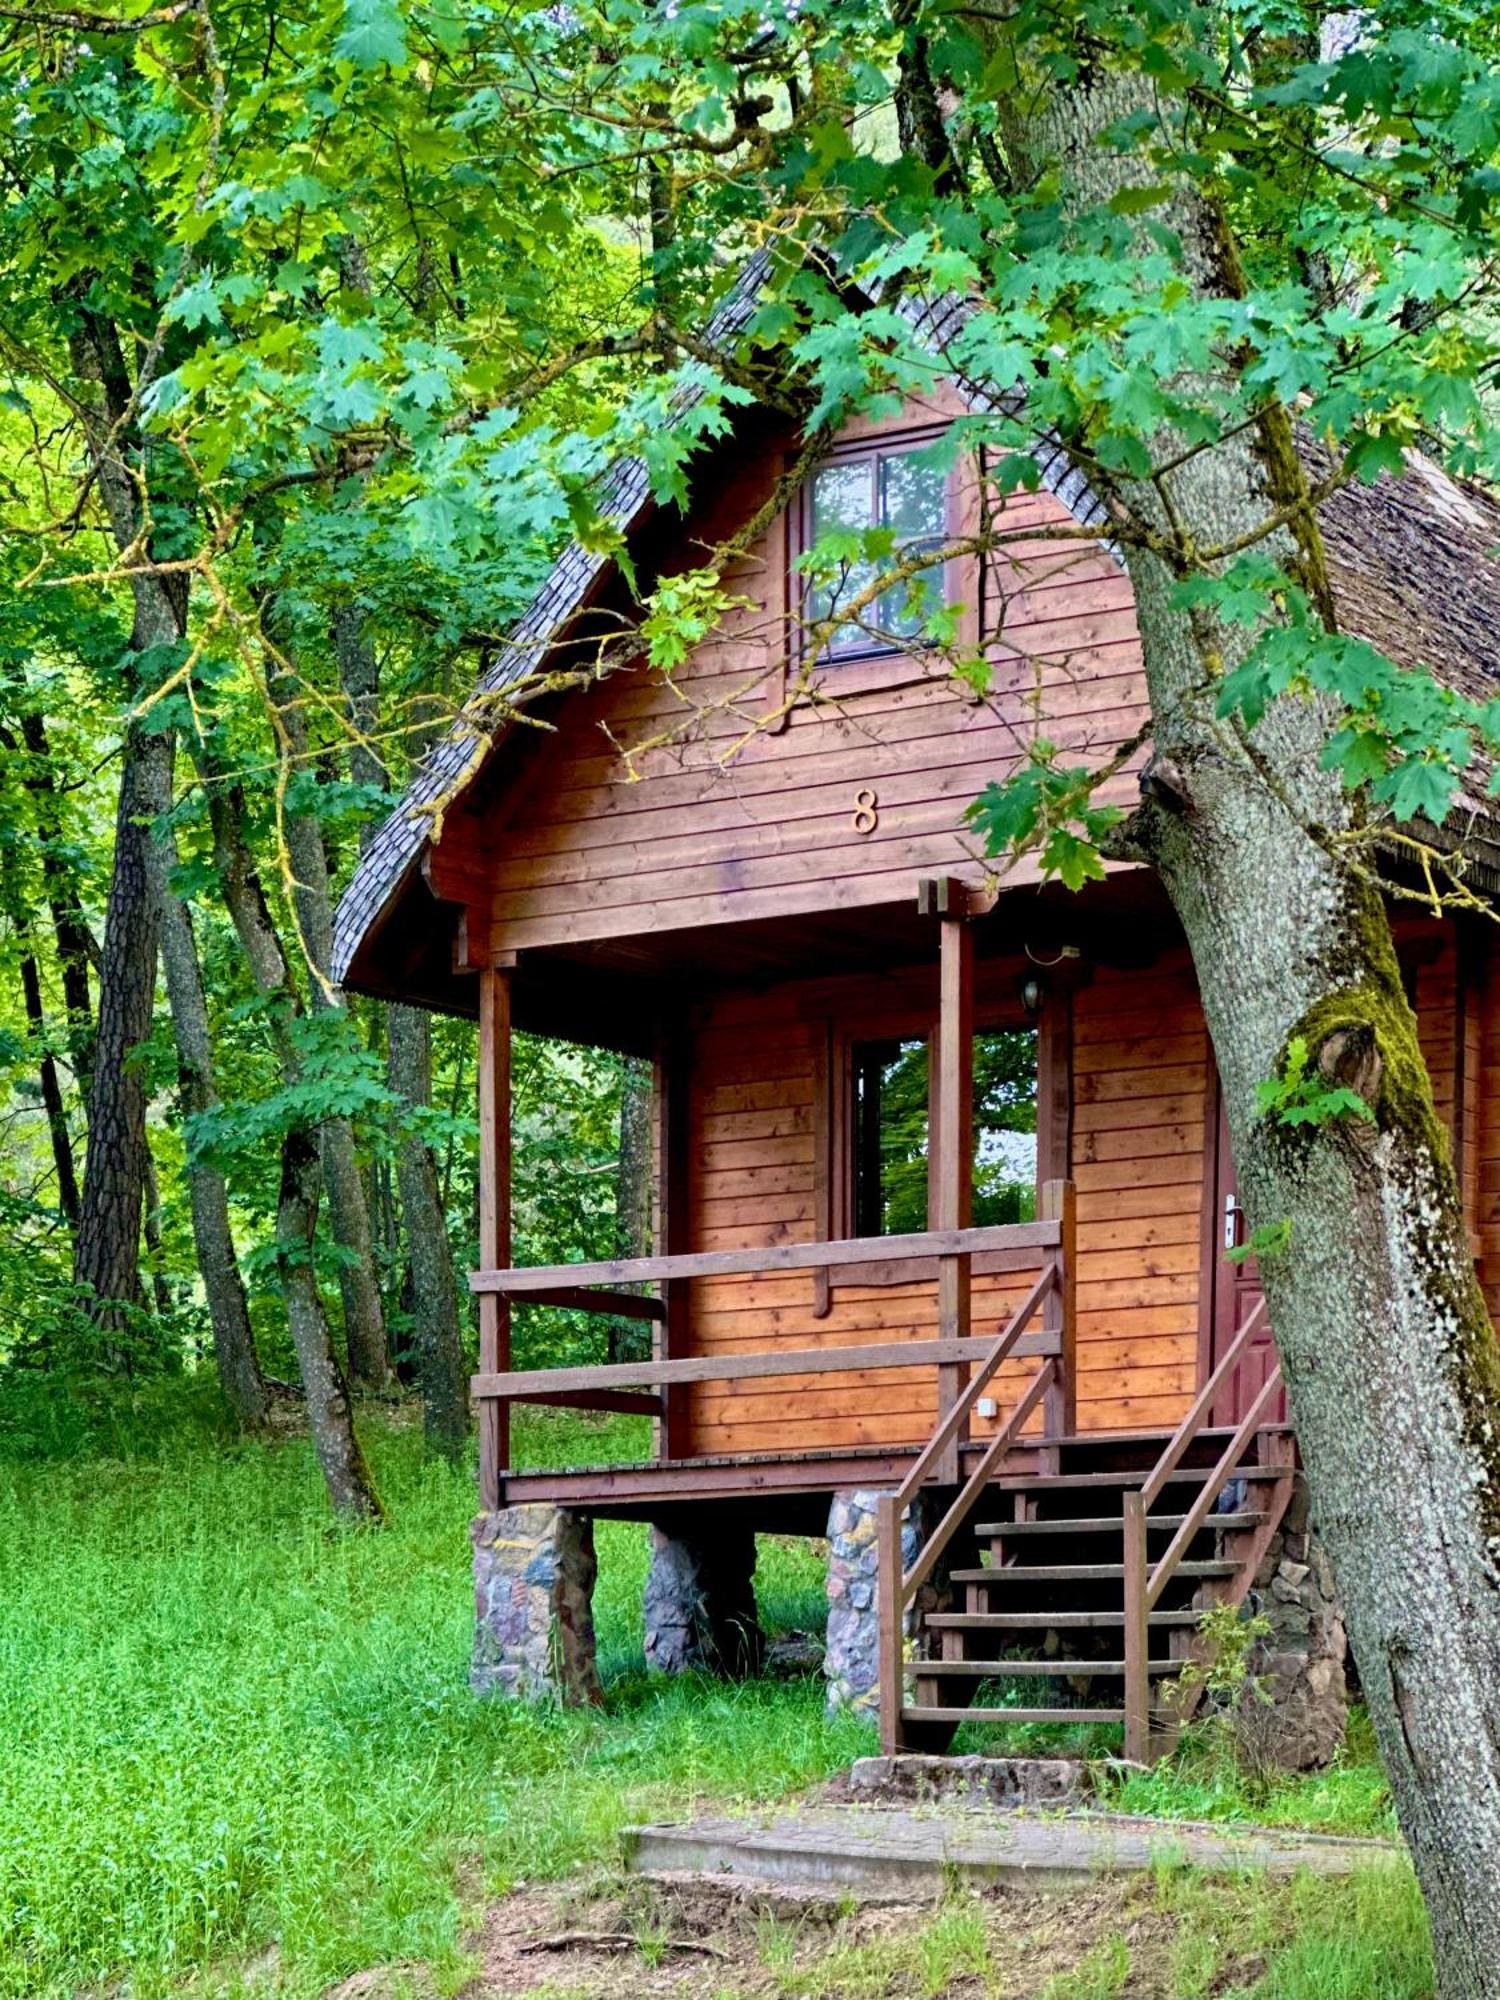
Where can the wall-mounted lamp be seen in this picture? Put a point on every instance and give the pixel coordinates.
(1033, 993)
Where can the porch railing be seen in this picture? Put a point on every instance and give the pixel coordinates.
(643, 1386)
(1144, 1581)
(898, 1586)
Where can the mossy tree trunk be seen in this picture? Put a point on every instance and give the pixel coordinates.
(1391, 1362)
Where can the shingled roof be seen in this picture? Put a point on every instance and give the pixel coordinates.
(456, 760)
(1413, 562)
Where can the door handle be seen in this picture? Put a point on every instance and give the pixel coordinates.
(1232, 1214)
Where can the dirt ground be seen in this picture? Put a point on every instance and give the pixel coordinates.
(606, 1941)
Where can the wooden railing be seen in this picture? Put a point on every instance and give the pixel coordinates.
(898, 1586)
(642, 1385)
(1145, 1582)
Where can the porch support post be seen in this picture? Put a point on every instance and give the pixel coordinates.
(494, 1219)
(1137, 1634)
(1059, 1203)
(673, 1163)
(952, 1143)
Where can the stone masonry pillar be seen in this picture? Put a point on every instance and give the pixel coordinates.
(534, 1572)
(851, 1661)
(700, 1608)
(1303, 1662)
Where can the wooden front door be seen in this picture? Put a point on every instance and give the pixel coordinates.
(1236, 1294)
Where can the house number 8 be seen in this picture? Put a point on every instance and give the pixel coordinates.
(866, 814)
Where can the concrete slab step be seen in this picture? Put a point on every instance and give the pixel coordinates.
(879, 1851)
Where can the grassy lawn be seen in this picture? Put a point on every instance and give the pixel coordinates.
(229, 1726)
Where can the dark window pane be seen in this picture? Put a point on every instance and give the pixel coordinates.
(843, 501)
(1004, 1126)
(890, 1096)
(913, 498)
(842, 496)
(890, 1132)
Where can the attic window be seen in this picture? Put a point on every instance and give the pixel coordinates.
(858, 491)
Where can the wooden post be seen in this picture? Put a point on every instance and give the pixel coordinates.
(673, 1163)
(890, 1681)
(1059, 1203)
(1137, 1634)
(954, 1138)
(494, 1220)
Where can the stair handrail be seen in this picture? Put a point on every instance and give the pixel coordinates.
(1203, 1403)
(896, 1586)
(1143, 1584)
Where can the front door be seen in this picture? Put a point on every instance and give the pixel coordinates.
(1236, 1294)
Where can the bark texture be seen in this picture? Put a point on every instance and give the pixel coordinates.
(106, 1254)
(1391, 1362)
(235, 1357)
(330, 1419)
(348, 1210)
(350, 1486)
(441, 1369)
(107, 1241)
(433, 1290)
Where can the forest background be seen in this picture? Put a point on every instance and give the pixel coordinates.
(318, 324)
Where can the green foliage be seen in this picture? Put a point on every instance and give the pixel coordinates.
(1303, 1096)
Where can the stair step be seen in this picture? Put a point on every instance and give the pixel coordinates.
(1021, 1670)
(1104, 1524)
(1044, 1482)
(1045, 1621)
(924, 1714)
(1079, 1572)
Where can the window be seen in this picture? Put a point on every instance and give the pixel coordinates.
(851, 495)
(890, 1132)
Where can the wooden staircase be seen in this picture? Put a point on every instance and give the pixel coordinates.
(1091, 1578)
(1039, 1595)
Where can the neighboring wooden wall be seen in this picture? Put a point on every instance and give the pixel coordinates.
(1142, 1107)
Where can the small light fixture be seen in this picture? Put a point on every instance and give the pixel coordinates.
(1033, 993)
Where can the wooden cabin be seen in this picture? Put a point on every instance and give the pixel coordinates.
(943, 1186)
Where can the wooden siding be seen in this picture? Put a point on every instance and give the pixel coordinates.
(1143, 1111)
(1140, 1080)
(731, 820)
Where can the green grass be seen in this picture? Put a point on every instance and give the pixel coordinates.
(1203, 1782)
(231, 1727)
(229, 1724)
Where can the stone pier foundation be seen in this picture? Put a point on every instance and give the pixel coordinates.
(700, 1608)
(851, 1661)
(534, 1573)
(1303, 1662)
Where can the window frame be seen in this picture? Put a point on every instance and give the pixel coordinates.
(870, 663)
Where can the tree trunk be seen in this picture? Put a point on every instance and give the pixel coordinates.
(438, 1326)
(350, 1486)
(106, 1252)
(330, 1419)
(235, 1357)
(64, 900)
(348, 1211)
(441, 1367)
(13, 900)
(1391, 1363)
(633, 1189)
(107, 1241)
(156, 1256)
